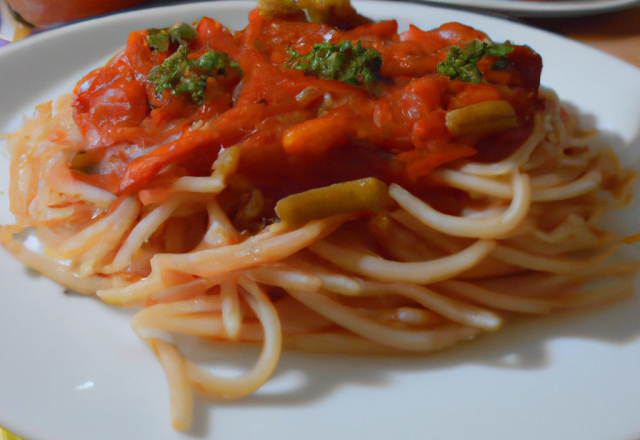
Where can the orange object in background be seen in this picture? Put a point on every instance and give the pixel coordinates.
(45, 13)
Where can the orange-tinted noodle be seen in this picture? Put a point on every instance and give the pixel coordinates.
(402, 214)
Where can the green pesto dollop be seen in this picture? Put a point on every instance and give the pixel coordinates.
(179, 33)
(353, 65)
(462, 63)
(182, 75)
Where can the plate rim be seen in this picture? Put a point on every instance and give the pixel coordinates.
(233, 3)
(540, 9)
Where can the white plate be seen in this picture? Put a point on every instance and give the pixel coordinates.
(542, 8)
(72, 369)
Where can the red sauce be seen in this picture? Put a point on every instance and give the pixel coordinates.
(296, 131)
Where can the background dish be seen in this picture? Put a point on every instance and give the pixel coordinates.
(524, 8)
(72, 369)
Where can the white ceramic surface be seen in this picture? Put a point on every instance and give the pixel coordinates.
(541, 8)
(72, 369)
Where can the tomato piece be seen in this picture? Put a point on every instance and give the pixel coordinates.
(528, 66)
(472, 94)
(138, 54)
(406, 58)
(109, 99)
(431, 126)
(215, 36)
(449, 34)
(142, 169)
(274, 39)
(432, 154)
(382, 31)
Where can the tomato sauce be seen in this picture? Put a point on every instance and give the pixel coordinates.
(295, 130)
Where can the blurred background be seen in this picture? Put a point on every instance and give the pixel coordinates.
(609, 25)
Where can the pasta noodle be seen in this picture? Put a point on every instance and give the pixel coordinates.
(373, 199)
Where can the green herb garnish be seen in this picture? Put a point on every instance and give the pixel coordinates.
(500, 64)
(179, 33)
(158, 39)
(353, 65)
(462, 63)
(164, 76)
(182, 75)
(182, 33)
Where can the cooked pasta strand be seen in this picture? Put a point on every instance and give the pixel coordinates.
(491, 226)
(234, 387)
(173, 364)
(393, 271)
(413, 340)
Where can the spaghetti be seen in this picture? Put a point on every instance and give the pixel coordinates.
(326, 186)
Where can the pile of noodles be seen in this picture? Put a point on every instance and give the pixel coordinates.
(528, 243)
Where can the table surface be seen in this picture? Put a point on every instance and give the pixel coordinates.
(617, 33)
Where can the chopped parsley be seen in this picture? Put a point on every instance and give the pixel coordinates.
(462, 63)
(353, 65)
(182, 75)
(179, 33)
